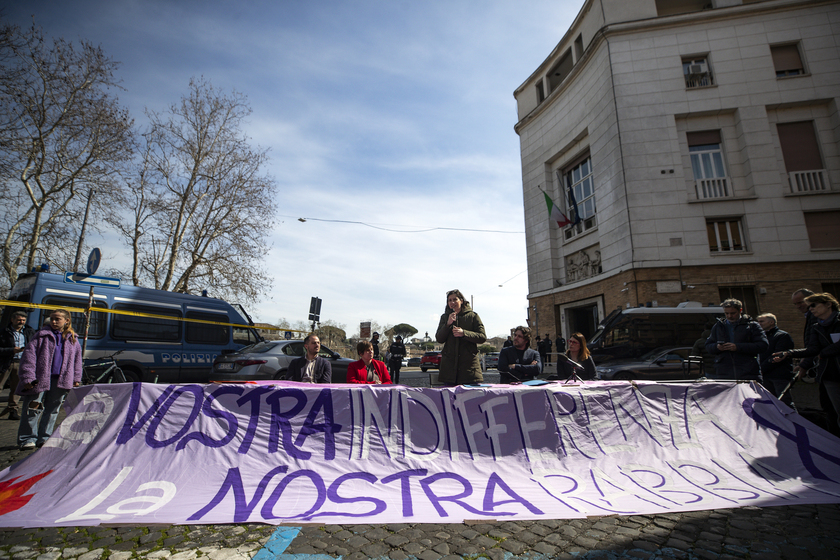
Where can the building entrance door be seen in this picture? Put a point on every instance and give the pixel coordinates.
(583, 320)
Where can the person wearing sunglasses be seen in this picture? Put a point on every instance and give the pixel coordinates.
(824, 342)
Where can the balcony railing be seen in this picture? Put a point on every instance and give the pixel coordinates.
(698, 80)
(808, 181)
(717, 187)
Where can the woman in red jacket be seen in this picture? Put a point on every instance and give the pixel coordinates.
(367, 370)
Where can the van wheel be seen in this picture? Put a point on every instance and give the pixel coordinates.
(131, 375)
(424, 369)
(623, 376)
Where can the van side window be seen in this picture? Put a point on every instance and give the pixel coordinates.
(131, 327)
(205, 333)
(244, 336)
(97, 318)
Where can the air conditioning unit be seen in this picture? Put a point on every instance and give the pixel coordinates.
(698, 69)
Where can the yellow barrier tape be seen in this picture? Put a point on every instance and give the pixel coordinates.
(96, 309)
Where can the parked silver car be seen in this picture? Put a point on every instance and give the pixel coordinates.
(270, 360)
(665, 363)
(491, 360)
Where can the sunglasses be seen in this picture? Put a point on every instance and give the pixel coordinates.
(813, 305)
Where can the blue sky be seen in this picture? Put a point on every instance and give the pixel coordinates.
(396, 114)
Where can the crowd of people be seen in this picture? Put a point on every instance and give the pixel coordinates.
(42, 366)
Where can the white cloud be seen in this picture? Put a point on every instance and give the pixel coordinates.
(373, 111)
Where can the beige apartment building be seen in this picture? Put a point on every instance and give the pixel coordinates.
(701, 142)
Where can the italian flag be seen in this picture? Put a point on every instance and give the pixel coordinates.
(555, 214)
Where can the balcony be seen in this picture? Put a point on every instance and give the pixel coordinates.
(717, 187)
(808, 181)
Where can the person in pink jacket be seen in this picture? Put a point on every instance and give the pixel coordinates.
(51, 365)
(367, 370)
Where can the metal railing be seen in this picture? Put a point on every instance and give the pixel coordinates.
(717, 187)
(813, 180)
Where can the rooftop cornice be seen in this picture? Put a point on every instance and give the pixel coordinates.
(646, 24)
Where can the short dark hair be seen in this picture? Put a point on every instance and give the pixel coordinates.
(19, 314)
(733, 303)
(310, 335)
(804, 291)
(363, 346)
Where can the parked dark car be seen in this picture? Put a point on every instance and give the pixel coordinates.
(414, 362)
(270, 360)
(664, 363)
(430, 360)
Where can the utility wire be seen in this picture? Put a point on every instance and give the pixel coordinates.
(374, 226)
(503, 283)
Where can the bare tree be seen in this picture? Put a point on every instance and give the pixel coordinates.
(202, 207)
(62, 133)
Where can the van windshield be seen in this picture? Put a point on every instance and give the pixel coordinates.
(596, 338)
(631, 335)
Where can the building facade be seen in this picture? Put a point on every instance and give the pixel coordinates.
(701, 144)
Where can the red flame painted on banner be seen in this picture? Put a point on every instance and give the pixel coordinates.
(12, 495)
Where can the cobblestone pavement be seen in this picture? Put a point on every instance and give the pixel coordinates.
(792, 532)
(796, 532)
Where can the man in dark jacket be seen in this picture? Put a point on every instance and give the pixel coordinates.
(777, 375)
(547, 349)
(560, 343)
(803, 369)
(736, 341)
(807, 366)
(519, 362)
(397, 351)
(310, 368)
(12, 340)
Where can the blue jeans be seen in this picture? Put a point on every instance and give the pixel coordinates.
(36, 424)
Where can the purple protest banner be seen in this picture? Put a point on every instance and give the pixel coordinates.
(284, 452)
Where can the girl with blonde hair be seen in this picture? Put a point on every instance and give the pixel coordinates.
(51, 365)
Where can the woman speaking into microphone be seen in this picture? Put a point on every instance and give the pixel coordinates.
(460, 331)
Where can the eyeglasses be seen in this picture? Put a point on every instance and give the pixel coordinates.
(813, 305)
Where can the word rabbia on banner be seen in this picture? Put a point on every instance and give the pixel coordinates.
(284, 451)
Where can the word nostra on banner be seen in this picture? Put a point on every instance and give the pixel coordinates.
(285, 452)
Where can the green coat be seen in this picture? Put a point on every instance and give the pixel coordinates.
(459, 361)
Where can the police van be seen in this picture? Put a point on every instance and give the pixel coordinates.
(155, 329)
(631, 333)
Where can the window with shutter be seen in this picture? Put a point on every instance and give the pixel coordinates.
(787, 61)
(801, 153)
